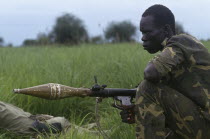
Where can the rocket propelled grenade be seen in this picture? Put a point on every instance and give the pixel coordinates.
(53, 91)
(57, 91)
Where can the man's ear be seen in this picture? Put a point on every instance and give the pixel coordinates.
(167, 30)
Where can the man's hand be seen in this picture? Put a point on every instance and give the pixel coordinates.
(128, 115)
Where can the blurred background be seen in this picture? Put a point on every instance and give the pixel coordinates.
(24, 21)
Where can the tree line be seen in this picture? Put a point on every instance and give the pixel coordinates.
(70, 30)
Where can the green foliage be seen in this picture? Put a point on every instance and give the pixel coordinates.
(69, 29)
(29, 42)
(118, 66)
(206, 44)
(1, 41)
(120, 31)
(43, 39)
(97, 39)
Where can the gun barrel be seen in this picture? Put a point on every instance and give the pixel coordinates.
(111, 92)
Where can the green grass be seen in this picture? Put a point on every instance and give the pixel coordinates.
(116, 65)
(207, 44)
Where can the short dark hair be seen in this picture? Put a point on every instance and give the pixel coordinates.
(162, 15)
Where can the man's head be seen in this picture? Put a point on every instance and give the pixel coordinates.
(157, 23)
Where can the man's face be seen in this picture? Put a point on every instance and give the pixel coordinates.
(152, 35)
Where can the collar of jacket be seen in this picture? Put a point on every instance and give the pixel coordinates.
(164, 42)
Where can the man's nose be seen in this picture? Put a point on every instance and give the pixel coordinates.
(143, 38)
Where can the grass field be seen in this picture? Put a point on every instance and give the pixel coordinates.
(116, 65)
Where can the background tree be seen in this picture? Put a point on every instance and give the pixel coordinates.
(43, 39)
(29, 42)
(1, 41)
(179, 28)
(97, 39)
(69, 29)
(120, 31)
(9, 45)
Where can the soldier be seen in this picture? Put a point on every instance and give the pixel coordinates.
(16, 120)
(173, 100)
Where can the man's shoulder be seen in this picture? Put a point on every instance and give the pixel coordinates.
(185, 40)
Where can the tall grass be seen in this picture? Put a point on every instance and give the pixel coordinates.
(117, 65)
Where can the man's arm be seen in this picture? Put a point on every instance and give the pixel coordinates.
(151, 73)
(162, 64)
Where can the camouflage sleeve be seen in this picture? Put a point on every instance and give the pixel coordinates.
(168, 59)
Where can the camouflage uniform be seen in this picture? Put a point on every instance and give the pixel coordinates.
(179, 105)
(16, 120)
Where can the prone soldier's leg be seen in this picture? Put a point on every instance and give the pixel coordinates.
(162, 112)
(18, 121)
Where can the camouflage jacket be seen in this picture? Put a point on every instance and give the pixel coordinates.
(184, 65)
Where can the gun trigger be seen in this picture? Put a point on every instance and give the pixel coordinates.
(117, 106)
